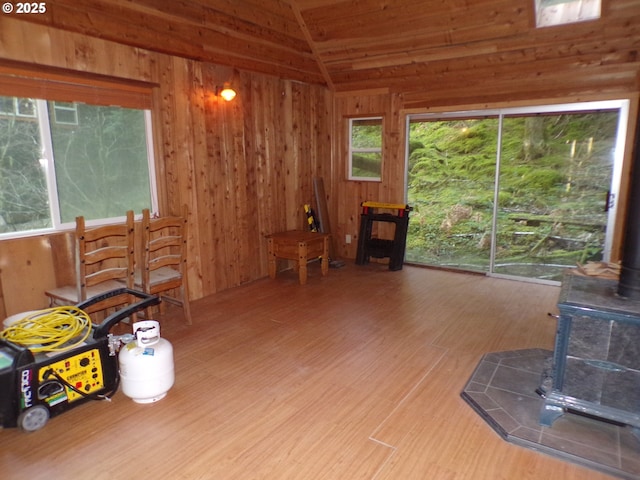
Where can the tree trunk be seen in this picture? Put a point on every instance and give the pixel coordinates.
(533, 144)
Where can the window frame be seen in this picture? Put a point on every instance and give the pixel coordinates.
(353, 150)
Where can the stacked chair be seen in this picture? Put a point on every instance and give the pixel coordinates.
(106, 259)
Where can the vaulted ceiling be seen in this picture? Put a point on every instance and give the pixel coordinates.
(395, 45)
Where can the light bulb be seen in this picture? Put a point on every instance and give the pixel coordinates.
(228, 94)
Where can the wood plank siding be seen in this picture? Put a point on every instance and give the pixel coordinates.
(244, 168)
(301, 68)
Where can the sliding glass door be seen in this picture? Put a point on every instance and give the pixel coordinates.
(522, 193)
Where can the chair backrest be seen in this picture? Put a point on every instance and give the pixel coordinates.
(104, 254)
(164, 242)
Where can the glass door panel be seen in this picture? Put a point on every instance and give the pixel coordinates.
(451, 177)
(555, 176)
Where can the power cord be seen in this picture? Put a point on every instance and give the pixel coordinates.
(50, 330)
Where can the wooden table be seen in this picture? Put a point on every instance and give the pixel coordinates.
(301, 246)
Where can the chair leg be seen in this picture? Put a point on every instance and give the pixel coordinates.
(178, 297)
(186, 308)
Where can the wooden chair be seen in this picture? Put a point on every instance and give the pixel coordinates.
(104, 258)
(163, 260)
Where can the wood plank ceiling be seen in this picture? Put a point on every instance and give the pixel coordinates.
(357, 45)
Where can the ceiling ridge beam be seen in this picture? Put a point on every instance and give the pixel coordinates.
(312, 44)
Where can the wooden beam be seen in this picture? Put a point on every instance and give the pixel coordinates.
(307, 36)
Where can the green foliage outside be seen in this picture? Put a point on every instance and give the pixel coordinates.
(555, 172)
(366, 165)
(366, 145)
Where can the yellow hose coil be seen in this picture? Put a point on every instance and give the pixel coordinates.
(50, 330)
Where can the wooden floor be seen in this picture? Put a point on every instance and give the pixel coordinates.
(356, 375)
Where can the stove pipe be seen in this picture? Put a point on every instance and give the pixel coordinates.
(629, 283)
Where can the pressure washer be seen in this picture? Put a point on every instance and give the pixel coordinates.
(40, 381)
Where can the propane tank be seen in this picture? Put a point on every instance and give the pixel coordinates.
(146, 364)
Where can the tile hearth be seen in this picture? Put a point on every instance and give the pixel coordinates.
(502, 390)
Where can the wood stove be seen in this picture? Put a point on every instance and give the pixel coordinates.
(596, 361)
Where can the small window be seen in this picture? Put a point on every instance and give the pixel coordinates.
(65, 113)
(561, 12)
(365, 149)
(26, 107)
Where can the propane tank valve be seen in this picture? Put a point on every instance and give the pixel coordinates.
(115, 342)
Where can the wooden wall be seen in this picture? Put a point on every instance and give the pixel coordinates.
(350, 194)
(244, 168)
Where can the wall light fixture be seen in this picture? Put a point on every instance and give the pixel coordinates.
(226, 92)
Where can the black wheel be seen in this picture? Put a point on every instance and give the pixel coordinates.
(33, 418)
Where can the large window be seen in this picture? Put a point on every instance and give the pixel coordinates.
(61, 159)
